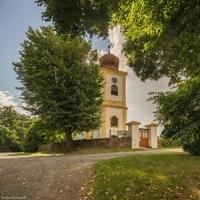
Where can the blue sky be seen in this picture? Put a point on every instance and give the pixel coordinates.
(15, 18)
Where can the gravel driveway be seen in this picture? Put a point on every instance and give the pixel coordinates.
(47, 178)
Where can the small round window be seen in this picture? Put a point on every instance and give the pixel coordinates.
(114, 79)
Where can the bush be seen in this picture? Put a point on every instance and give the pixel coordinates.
(33, 140)
(9, 141)
(166, 142)
(193, 147)
(39, 134)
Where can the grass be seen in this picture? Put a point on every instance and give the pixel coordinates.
(162, 148)
(146, 177)
(39, 154)
(81, 151)
(103, 150)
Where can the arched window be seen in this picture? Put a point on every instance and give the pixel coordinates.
(114, 121)
(114, 90)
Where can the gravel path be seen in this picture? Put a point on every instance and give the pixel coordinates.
(46, 178)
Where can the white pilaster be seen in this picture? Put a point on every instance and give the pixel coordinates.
(133, 130)
(153, 139)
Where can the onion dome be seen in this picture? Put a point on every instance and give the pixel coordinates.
(109, 60)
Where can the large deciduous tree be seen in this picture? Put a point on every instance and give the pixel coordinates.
(162, 37)
(79, 17)
(58, 84)
(161, 40)
(179, 113)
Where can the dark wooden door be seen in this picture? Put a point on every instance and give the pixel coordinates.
(144, 134)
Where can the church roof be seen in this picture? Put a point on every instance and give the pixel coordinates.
(109, 61)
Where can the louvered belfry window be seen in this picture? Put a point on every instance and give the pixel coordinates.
(114, 90)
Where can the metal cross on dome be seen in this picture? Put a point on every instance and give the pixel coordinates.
(109, 49)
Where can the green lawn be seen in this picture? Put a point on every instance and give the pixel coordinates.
(174, 176)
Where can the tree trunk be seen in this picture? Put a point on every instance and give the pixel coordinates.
(69, 142)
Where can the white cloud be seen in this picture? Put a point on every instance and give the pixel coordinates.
(8, 99)
(117, 39)
(137, 92)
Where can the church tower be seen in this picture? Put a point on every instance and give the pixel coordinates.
(114, 96)
(114, 105)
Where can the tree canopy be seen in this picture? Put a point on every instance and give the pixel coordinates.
(179, 112)
(161, 37)
(58, 84)
(79, 17)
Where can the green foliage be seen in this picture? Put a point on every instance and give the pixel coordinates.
(152, 177)
(168, 142)
(13, 128)
(58, 84)
(79, 17)
(179, 113)
(33, 140)
(39, 134)
(9, 141)
(161, 37)
(193, 147)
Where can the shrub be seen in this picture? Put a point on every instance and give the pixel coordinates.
(33, 140)
(166, 142)
(193, 147)
(9, 141)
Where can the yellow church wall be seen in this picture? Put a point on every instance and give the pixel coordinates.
(114, 72)
(104, 123)
(113, 105)
(113, 112)
(121, 116)
(100, 133)
(124, 90)
(87, 135)
(119, 84)
(104, 88)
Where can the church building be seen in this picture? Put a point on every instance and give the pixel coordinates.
(114, 96)
(114, 115)
(114, 105)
